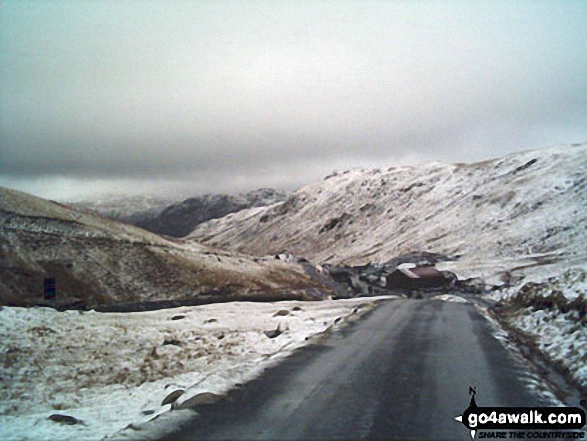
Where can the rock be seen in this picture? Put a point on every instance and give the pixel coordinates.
(42, 331)
(211, 321)
(338, 320)
(171, 342)
(178, 317)
(65, 419)
(172, 397)
(133, 427)
(296, 308)
(281, 313)
(202, 399)
(275, 333)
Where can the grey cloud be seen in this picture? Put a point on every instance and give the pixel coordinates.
(233, 95)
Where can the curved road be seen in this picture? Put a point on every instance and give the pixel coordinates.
(403, 372)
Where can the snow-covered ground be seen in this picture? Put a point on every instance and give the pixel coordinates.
(553, 314)
(450, 298)
(112, 370)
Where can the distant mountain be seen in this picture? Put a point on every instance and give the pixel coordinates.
(131, 209)
(512, 216)
(98, 261)
(178, 219)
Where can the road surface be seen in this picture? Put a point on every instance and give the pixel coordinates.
(403, 372)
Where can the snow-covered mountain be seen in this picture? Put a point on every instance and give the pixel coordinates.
(524, 213)
(180, 219)
(127, 208)
(96, 260)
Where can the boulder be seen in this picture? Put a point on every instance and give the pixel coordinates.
(171, 342)
(202, 399)
(274, 333)
(172, 397)
(65, 419)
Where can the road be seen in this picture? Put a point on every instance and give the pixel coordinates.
(403, 372)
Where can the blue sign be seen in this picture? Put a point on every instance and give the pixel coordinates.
(49, 291)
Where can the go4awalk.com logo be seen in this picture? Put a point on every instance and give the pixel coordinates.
(523, 422)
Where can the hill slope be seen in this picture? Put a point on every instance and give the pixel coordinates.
(180, 219)
(131, 209)
(516, 213)
(177, 218)
(96, 260)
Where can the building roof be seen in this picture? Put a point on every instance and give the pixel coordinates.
(422, 272)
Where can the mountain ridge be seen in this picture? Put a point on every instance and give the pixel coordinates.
(178, 218)
(515, 213)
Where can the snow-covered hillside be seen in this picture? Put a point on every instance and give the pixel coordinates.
(178, 220)
(96, 260)
(130, 209)
(179, 216)
(525, 214)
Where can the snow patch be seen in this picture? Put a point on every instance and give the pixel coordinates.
(450, 298)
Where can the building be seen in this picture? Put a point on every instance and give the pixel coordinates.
(411, 277)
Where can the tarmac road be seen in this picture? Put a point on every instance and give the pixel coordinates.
(403, 372)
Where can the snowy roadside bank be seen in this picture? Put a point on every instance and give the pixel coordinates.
(552, 315)
(112, 370)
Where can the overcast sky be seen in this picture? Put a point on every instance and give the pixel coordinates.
(207, 96)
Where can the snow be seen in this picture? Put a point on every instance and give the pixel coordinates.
(450, 298)
(559, 331)
(126, 206)
(561, 336)
(110, 369)
(523, 214)
(37, 214)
